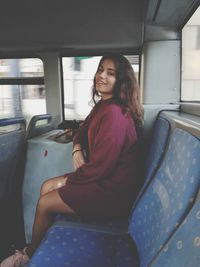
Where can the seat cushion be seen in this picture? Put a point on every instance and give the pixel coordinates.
(72, 247)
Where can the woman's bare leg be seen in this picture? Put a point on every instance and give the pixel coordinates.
(48, 204)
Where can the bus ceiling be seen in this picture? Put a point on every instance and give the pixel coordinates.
(89, 25)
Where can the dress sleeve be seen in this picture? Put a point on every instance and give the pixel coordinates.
(108, 145)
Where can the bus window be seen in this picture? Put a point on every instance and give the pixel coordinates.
(22, 91)
(78, 74)
(191, 59)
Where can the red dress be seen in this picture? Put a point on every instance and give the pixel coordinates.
(107, 184)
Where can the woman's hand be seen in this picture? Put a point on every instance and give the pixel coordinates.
(78, 159)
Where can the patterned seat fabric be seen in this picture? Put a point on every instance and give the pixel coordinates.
(156, 151)
(183, 249)
(74, 247)
(168, 197)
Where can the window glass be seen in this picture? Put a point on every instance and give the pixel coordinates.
(21, 67)
(22, 96)
(78, 75)
(191, 59)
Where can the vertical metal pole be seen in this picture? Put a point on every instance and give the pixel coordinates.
(15, 89)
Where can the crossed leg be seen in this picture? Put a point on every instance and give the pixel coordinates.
(49, 203)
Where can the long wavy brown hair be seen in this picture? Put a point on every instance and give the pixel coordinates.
(126, 88)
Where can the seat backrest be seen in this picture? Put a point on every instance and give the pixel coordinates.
(168, 197)
(156, 151)
(157, 147)
(11, 145)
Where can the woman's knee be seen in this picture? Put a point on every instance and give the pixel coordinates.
(43, 189)
(52, 184)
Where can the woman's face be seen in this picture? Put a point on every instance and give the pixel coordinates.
(105, 78)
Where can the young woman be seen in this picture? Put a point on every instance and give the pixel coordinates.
(106, 181)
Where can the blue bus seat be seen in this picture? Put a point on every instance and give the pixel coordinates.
(31, 188)
(185, 241)
(158, 145)
(161, 209)
(73, 247)
(155, 155)
(12, 148)
(155, 218)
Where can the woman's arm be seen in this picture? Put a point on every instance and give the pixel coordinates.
(77, 156)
